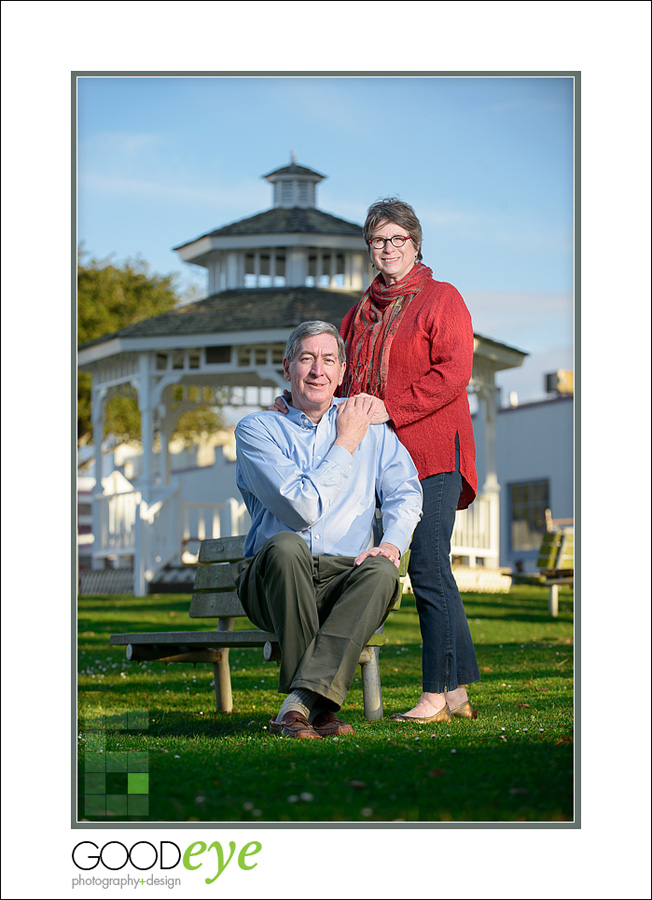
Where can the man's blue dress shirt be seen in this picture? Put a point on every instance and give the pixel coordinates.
(293, 478)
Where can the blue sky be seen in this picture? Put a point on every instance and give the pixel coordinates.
(487, 162)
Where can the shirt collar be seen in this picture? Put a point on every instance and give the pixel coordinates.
(298, 416)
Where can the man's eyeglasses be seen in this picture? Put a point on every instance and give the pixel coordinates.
(398, 240)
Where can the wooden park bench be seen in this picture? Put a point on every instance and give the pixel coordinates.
(556, 561)
(214, 597)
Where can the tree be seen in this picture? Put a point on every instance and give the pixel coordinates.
(110, 297)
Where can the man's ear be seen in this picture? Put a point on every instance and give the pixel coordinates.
(342, 374)
(286, 369)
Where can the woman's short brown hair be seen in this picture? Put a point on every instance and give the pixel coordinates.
(391, 209)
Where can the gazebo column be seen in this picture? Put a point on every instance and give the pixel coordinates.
(296, 267)
(491, 488)
(146, 405)
(98, 415)
(166, 430)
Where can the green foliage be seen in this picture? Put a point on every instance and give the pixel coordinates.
(111, 297)
(195, 424)
(514, 763)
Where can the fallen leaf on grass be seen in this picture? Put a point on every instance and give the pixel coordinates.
(358, 784)
(486, 669)
(436, 773)
(567, 739)
(523, 705)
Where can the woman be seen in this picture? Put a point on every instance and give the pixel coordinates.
(409, 344)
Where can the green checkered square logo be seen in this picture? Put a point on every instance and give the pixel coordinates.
(115, 782)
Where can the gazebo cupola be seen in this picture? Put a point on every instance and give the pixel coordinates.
(292, 245)
(294, 185)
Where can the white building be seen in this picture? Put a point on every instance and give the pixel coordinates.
(534, 456)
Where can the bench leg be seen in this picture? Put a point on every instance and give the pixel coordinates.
(553, 600)
(371, 688)
(222, 672)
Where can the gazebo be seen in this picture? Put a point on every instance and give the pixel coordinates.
(266, 274)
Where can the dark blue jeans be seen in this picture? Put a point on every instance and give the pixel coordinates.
(448, 655)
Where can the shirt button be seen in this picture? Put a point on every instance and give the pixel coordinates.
(317, 537)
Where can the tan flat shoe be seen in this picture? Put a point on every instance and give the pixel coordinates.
(465, 711)
(444, 715)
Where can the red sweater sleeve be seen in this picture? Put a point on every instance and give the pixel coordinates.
(439, 365)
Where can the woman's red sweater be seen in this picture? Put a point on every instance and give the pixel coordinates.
(430, 366)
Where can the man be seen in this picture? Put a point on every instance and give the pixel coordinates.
(310, 480)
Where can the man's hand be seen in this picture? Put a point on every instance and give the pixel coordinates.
(280, 404)
(354, 417)
(380, 410)
(384, 549)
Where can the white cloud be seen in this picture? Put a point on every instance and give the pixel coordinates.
(121, 143)
(239, 195)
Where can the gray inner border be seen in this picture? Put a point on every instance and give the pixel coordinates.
(576, 823)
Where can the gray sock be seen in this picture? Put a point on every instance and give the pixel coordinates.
(301, 700)
(318, 708)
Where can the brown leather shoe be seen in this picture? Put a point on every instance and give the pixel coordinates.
(293, 725)
(326, 724)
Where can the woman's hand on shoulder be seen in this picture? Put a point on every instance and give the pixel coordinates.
(281, 404)
(380, 413)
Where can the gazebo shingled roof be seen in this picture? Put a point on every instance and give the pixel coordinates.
(295, 169)
(279, 220)
(242, 310)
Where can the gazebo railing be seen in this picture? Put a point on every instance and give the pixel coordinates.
(211, 520)
(475, 535)
(158, 538)
(117, 515)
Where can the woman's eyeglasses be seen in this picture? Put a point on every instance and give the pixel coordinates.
(398, 240)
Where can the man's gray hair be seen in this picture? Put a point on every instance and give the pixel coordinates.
(310, 329)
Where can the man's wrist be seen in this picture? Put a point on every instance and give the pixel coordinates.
(349, 445)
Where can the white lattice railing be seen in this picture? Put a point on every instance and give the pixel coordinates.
(116, 531)
(158, 536)
(475, 535)
(152, 535)
(211, 520)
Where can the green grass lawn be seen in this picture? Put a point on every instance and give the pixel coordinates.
(164, 754)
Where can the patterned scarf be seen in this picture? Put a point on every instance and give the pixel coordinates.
(373, 328)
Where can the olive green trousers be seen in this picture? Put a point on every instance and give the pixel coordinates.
(322, 609)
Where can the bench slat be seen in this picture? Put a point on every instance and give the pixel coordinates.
(549, 550)
(197, 638)
(214, 577)
(211, 605)
(227, 549)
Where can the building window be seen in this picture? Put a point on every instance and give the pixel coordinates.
(529, 501)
